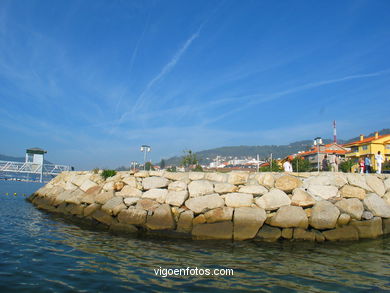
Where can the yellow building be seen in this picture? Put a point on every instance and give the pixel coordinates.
(370, 146)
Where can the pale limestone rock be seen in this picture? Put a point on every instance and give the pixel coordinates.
(147, 204)
(302, 234)
(301, 198)
(343, 219)
(342, 234)
(367, 215)
(220, 230)
(161, 219)
(352, 207)
(108, 186)
(319, 236)
(253, 189)
(94, 190)
(216, 177)
(237, 199)
(323, 192)
(141, 174)
(185, 222)
(77, 196)
(387, 184)
(128, 191)
(62, 197)
(287, 233)
(287, 183)
(196, 175)
(267, 180)
(70, 186)
(200, 187)
(177, 186)
(132, 216)
(119, 185)
(290, 217)
(386, 226)
(219, 215)
(268, 234)
(370, 228)
(130, 181)
(79, 180)
(247, 222)
(273, 200)
(386, 197)
(102, 198)
(156, 194)
(89, 210)
(238, 177)
(204, 203)
(377, 205)
(376, 184)
(177, 176)
(129, 201)
(352, 191)
(77, 210)
(199, 219)
(176, 198)
(154, 182)
(358, 180)
(157, 173)
(102, 217)
(222, 188)
(87, 184)
(324, 215)
(123, 228)
(113, 205)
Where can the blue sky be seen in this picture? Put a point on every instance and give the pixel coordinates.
(91, 81)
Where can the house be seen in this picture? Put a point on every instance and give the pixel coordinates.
(369, 147)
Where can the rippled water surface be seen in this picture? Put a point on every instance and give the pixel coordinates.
(40, 252)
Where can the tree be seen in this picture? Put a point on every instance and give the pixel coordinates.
(346, 165)
(299, 164)
(149, 166)
(162, 164)
(189, 159)
(274, 167)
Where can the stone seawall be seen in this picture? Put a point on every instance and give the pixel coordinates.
(235, 205)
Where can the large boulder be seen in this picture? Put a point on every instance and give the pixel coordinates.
(302, 234)
(376, 184)
(247, 222)
(341, 234)
(131, 181)
(204, 203)
(102, 217)
(253, 189)
(387, 184)
(368, 229)
(377, 205)
(185, 222)
(161, 219)
(352, 207)
(352, 191)
(358, 180)
(129, 201)
(220, 230)
(224, 188)
(156, 194)
(200, 187)
(154, 182)
(289, 217)
(219, 215)
(301, 198)
(273, 200)
(147, 204)
(216, 177)
(323, 192)
(87, 184)
(287, 183)
(268, 234)
(177, 186)
(114, 205)
(238, 178)
(177, 176)
(176, 198)
(236, 199)
(324, 215)
(132, 216)
(267, 180)
(90, 209)
(102, 198)
(129, 191)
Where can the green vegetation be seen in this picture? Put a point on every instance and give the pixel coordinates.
(198, 168)
(162, 164)
(300, 165)
(95, 170)
(386, 166)
(172, 169)
(149, 166)
(346, 165)
(274, 167)
(108, 173)
(189, 159)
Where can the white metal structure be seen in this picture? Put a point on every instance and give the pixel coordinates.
(145, 149)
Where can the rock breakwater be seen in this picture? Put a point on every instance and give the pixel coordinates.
(236, 205)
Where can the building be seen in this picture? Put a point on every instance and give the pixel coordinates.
(369, 147)
(317, 153)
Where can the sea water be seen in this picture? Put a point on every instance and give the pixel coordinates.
(42, 252)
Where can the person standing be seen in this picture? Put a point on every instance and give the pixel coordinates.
(361, 165)
(367, 164)
(334, 163)
(325, 164)
(379, 161)
(287, 166)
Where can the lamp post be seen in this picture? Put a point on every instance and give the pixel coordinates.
(146, 149)
(133, 164)
(318, 143)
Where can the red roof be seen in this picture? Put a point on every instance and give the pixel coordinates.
(366, 140)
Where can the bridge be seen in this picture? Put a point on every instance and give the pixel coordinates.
(33, 169)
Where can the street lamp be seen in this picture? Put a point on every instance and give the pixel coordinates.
(318, 143)
(133, 164)
(145, 149)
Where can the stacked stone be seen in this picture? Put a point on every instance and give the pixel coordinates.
(235, 205)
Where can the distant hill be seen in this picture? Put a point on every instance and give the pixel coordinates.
(16, 159)
(264, 151)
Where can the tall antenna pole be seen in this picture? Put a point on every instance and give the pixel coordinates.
(334, 132)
